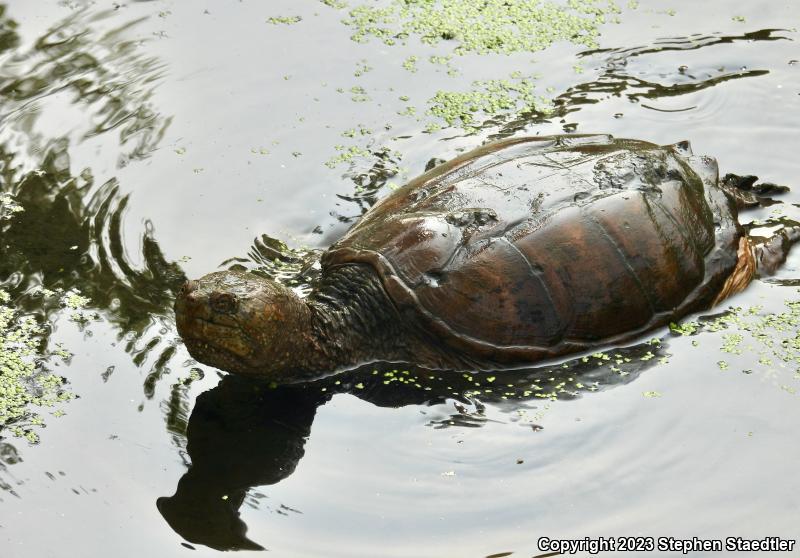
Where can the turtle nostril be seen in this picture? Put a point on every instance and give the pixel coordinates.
(224, 303)
(188, 288)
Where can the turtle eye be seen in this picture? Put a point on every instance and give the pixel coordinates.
(188, 288)
(224, 303)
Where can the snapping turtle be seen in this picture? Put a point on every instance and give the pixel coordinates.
(518, 251)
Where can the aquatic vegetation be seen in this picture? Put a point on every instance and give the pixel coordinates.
(489, 98)
(410, 110)
(8, 206)
(685, 328)
(445, 61)
(346, 155)
(353, 132)
(484, 26)
(284, 20)
(25, 381)
(359, 94)
(410, 63)
(772, 337)
(370, 169)
(478, 27)
(362, 68)
(338, 4)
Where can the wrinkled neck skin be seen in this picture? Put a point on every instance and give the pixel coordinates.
(353, 322)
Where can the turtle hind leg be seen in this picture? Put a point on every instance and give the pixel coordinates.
(758, 257)
(771, 252)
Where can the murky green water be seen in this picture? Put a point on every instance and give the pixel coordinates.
(153, 140)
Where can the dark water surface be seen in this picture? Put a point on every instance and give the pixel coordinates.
(149, 141)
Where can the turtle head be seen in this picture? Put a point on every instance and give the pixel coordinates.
(243, 323)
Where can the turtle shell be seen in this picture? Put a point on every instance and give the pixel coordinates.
(538, 246)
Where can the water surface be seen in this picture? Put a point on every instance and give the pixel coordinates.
(150, 141)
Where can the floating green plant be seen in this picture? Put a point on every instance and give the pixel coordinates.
(338, 4)
(484, 26)
(25, 381)
(488, 98)
(346, 155)
(410, 63)
(362, 68)
(284, 20)
(774, 337)
(359, 94)
(686, 328)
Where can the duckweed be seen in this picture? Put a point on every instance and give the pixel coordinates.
(410, 110)
(484, 26)
(337, 4)
(731, 343)
(353, 132)
(284, 20)
(24, 380)
(362, 68)
(686, 328)
(359, 94)
(410, 64)
(8, 206)
(76, 302)
(778, 334)
(346, 155)
(489, 98)
(445, 61)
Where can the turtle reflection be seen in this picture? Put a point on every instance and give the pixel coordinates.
(242, 434)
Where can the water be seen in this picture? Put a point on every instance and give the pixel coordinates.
(151, 141)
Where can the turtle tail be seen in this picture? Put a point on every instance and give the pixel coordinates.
(759, 256)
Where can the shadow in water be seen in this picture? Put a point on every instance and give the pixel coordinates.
(242, 434)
